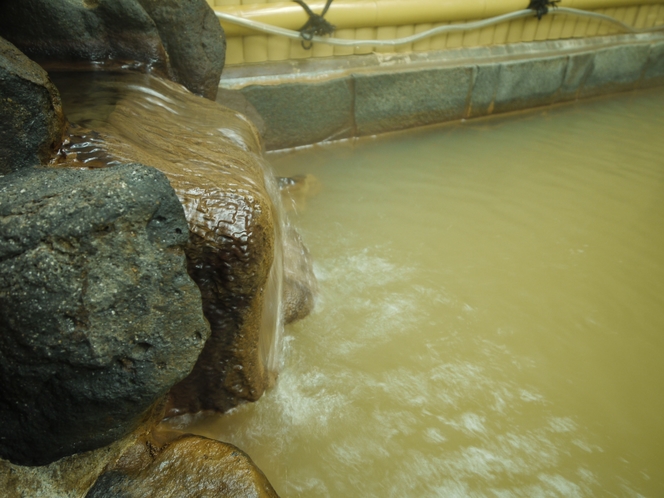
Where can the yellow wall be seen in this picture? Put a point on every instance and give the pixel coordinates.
(387, 19)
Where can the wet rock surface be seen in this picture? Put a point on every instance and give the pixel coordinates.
(300, 286)
(180, 38)
(30, 112)
(72, 476)
(98, 316)
(188, 466)
(211, 156)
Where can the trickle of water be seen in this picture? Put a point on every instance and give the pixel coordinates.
(272, 325)
(490, 315)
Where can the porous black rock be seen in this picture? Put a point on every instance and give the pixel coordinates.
(98, 316)
(82, 30)
(30, 112)
(194, 40)
(182, 39)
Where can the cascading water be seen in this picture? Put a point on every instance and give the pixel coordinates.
(212, 156)
(272, 323)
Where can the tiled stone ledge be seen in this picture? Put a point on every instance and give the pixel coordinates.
(305, 103)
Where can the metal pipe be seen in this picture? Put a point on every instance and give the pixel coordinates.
(351, 14)
(451, 28)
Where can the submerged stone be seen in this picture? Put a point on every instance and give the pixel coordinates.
(30, 112)
(300, 285)
(186, 466)
(98, 316)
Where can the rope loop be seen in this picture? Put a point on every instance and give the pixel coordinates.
(541, 7)
(315, 26)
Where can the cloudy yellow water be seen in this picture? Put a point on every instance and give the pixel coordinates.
(491, 314)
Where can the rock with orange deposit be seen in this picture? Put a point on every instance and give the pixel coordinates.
(30, 112)
(189, 466)
(144, 464)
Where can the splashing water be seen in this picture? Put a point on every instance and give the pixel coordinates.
(490, 318)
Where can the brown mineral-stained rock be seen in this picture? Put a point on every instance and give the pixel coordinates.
(186, 467)
(211, 157)
(30, 112)
(69, 477)
(300, 286)
(148, 463)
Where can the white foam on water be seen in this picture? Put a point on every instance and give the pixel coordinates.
(561, 486)
(463, 345)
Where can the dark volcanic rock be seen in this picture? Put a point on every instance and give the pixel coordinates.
(187, 466)
(194, 40)
(30, 112)
(98, 317)
(82, 30)
(181, 38)
(74, 475)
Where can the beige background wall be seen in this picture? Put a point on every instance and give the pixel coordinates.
(244, 47)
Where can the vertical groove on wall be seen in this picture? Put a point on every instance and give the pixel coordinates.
(353, 120)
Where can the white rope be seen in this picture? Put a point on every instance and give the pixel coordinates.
(450, 28)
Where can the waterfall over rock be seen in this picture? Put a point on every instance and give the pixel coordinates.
(183, 40)
(212, 157)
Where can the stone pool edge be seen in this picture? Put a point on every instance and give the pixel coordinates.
(306, 102)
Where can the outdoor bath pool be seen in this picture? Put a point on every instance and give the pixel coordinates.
(491, 313)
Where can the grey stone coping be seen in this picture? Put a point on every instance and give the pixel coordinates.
(308, 101)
